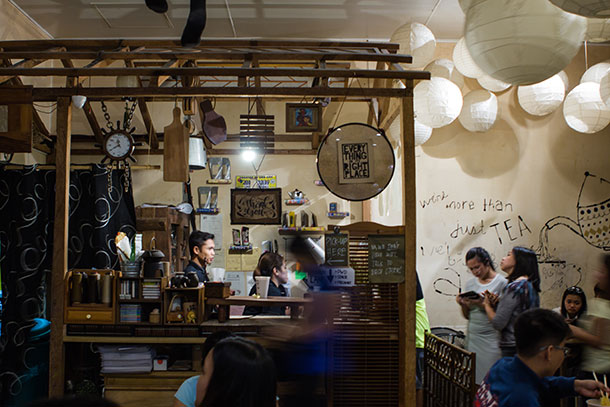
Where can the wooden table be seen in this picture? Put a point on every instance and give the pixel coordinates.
(224, 304)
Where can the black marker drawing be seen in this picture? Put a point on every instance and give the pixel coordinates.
(447, 287)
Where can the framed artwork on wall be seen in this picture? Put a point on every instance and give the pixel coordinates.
(303, 117)
(256, 206)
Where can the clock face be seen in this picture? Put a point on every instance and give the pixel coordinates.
(118, 145)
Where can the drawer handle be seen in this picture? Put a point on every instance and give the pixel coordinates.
(88, 316)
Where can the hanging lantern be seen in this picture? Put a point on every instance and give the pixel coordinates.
(604, 89)
(595, 73)
(445, 68)
(198, 158)
(492, 84)
(480, 111)
(522, 42)
(585, 8)
(584, 109)
(598, 30)
(566, 81)
(464, 62)
(422, 133)
(543, 97)
(437, 102)
(417, 40)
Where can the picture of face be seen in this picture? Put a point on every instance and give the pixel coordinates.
(304, 117)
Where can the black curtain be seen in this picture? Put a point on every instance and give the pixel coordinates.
(101, 204)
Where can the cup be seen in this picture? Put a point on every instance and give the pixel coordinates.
(217, 274)
(262, 285)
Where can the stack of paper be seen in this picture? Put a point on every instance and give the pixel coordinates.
(126, 359)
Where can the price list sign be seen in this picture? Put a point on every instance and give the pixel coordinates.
(386, 258)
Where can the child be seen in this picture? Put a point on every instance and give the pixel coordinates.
(573, 304)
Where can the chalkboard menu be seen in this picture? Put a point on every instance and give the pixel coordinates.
(336, 249)
(386, 258)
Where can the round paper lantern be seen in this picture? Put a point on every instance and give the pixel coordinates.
(522, 42)
(480, 111)
(464, 62)
(604, 89)
(445, 68)
(595, 73)
(422, 133)
(464, 5)
(598, 30)
(492, 84)
(543, 97)
(566, 81)
(437, 102)
(584, 109)
(417, 40)
(586, 8)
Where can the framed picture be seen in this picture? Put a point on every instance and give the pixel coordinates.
(303, 117)
(256, 206)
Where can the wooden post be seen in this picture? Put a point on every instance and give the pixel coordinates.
(60, 247)
(407, 289)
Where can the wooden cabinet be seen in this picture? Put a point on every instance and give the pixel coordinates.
(138, 298)
(155, 389)
(89, 312)
(170, 230)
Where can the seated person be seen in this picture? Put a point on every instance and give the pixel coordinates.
(525, 379)
(270, 265)
(201, 247)
(192, 390)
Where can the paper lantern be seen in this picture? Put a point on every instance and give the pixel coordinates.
(437, 102)
(522, 42)
(492, 84)
(595, 73)
(417, 40)
(464, 5)
(543, 97)
(445, 68)
(480, 111)
(422, 133)
(464, 62)
(598, 30)
(604, 89)
(566, 81)
(586, 8)
(127, 82)
(584, 109)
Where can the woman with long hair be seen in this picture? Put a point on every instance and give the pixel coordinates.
(271, 265)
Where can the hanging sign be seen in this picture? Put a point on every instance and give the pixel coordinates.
(336, 249)
(386, 258)
(253, 181)
(334, 277)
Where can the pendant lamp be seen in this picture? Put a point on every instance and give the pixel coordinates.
(417, 40)
(437, 102)
(445, 68)
(543, 97)
(584, 109)
(585, 8)
(480, 111)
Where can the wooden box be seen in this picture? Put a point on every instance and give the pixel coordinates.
(217, 290)
(191, 296)
(89, 313)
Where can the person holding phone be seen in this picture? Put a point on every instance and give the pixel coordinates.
(481, 338)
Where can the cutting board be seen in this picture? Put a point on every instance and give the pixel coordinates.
(176, 150)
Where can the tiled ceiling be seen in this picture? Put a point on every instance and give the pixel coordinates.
(324, 19)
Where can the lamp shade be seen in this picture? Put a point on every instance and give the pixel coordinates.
(595, 73)
(566, 81)
(543, 97)
(480, 111)
(598, 29)
(445, 68)
(437, 102)
(464, 62)
(584, 109)
(522, 42)
(422, 133)
(492, 84)
(198, 158)
(417, 40)
(586, 8)
(604, 89)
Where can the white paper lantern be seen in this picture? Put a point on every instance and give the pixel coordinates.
(464, 62)
(598, 30)
(584, 109)
(417, 40)
(480, 111)
(445, 68)
(127, 82)
(437, 102)
(464, 5)
(543, 97)
(595, 73)
(492, 84)
(566, 81)
(604, 89)
(422, 133)
(586, 8)
(522, 42)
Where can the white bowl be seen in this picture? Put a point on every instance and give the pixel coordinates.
(594, 402)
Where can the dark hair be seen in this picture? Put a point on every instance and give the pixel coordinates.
(75, 401)
(482, 255)
(597, 290)
(243, 376)
(526, 264)
(604, 292)
(268, 262)
(211, 341)
(574, 291)
(197, 239)
(538, 327)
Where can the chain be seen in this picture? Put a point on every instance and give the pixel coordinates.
(106, 116)
(127, 177)
(109, 172)
(129, 113)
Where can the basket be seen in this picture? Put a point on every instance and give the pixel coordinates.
(131, 269)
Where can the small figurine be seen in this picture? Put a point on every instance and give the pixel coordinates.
(296, 194)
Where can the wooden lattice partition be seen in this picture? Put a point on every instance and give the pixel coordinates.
(449, 374)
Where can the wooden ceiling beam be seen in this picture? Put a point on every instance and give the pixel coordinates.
(159, 80)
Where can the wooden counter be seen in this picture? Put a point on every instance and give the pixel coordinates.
(225, 303)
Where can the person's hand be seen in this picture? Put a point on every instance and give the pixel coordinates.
(462, 301)
(492, 298)
(589, 388)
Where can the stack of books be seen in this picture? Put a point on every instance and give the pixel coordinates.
(126, 359)
(130, 313)
(151, 289)
(129, 289)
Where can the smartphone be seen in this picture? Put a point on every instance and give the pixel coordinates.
(471, 295)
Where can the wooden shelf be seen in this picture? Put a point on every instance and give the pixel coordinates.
(218, 181)
(206, 211)
(138, 301)
(337, 215)
(317, 230)
(296, 202)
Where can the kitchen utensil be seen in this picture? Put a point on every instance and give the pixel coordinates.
(175, 150)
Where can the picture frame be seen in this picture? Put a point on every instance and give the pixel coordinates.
(256, 206)
(303, 117)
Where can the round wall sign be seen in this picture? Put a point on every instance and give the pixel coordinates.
(356, 161)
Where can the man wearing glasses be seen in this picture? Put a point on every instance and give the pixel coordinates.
(527, 378)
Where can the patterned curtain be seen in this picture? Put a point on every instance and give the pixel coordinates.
(101, 204)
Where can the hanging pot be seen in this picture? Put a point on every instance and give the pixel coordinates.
(153, 261)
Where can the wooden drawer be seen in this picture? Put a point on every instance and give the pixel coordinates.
(90, 316)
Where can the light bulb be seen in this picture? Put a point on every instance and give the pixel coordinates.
(248, 155)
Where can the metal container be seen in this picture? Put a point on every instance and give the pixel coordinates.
(131, 269)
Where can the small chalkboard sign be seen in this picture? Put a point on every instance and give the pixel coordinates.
(386, 258)
(336, 249)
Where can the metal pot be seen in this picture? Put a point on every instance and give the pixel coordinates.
(153, 261)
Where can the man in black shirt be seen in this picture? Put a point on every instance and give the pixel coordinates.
(201, 246)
